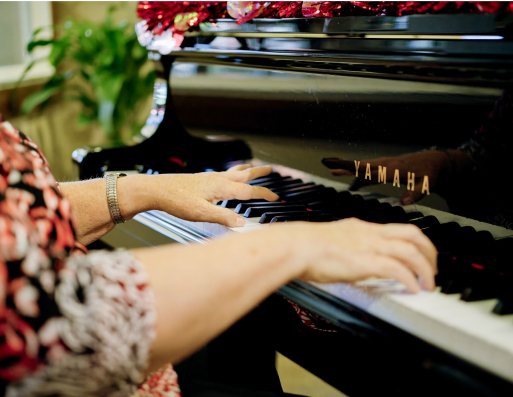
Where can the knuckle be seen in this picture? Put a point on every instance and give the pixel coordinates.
(243, 190)
(410, 250)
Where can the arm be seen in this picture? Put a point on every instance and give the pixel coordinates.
(201, 291)
(188, 196)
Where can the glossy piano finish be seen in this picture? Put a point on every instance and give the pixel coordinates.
(299, 92)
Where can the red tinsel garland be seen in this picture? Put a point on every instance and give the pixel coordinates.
(181, 16)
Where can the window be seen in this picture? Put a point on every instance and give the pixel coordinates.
(17, 22)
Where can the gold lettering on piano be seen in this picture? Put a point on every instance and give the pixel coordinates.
(368, 172)
(411, 181)
(425, 185)
(356, 166)
(382, 174)
(382, 177)
(396, 179)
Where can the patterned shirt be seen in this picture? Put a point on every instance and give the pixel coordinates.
(71, 323)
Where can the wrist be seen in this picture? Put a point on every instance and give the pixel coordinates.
(135, 195)
(285, 245)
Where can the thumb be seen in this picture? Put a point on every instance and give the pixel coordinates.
(410, 197)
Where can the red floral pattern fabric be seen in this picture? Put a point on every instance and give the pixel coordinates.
(36, 235)
(70, 324)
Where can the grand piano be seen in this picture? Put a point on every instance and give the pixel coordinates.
(312, 95)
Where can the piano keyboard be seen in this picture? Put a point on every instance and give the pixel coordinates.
(471, 312)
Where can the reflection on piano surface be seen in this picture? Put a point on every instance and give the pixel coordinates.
(324, 105)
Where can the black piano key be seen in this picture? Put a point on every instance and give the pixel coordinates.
(320, 218)
(505, 295)
(344, 195)
(242, 207)
(449, 270)
(504, 306)
(461, 239)
(334, 201)
(235, 202)
(298, 189)
(504, 303)
(414, 215)
(281, 189)
(280, 183)
(425, 222)
(259, 211)
(352, 207)
(268, 216)
(482, 285)
(455, 284)
(395, 215)
(501, 257)
(378, 214)
(319, 205)
(442, 236)
(473, 281)
(293, 194)
(267, 178)
(307, 197)
(365, 210)
(289, 195)
(478, 248)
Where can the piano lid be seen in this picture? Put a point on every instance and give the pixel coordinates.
(334, 106)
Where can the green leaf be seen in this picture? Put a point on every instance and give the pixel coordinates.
(38, 43)
(58, 52)
(38, 98)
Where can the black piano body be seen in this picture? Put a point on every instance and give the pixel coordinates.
(292, 92)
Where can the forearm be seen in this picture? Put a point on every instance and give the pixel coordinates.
(201, 291)
(90, 209)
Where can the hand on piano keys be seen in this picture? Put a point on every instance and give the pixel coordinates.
(192, 196)
(352, 250)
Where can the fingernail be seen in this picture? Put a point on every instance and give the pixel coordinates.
(240, 222)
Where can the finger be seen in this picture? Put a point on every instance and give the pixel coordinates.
(410, 197)
(350, 165)
(382, 266)
(409, 255)
(411, 234)
(215, 214)
(248, 174)
(338, 163)
(242, 191)
(341, 173)
(240, 167)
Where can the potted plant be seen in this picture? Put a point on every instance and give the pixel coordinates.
(103, 67)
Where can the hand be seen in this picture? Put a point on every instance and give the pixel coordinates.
(192, 196)
(431, 163)
(353, 250)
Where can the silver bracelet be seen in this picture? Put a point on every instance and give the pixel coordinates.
(112, 197)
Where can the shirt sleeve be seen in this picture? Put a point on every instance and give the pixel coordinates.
(71, 324)
(106, 323)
